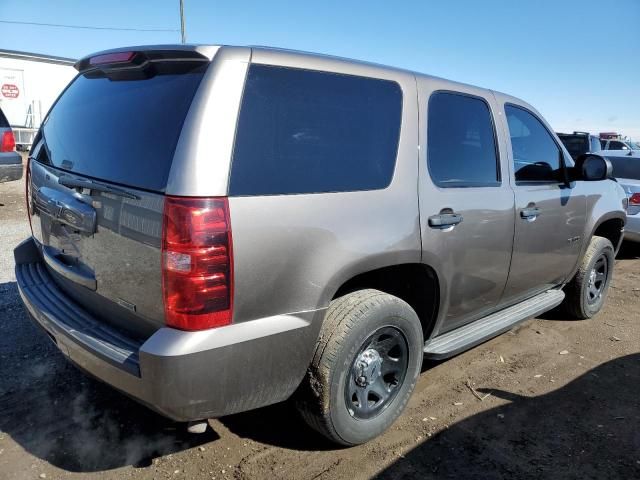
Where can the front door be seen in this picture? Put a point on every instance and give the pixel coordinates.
(466, 202)
(549, 216)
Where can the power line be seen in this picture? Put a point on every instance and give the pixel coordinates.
(86, 27)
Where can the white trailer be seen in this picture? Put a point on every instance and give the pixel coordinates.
(29, 84)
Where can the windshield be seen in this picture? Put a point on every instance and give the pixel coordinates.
(122, 131)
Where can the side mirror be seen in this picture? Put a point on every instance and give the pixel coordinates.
(591, 167)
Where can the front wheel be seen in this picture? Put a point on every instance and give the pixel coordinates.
(365, 368)
(586, 293)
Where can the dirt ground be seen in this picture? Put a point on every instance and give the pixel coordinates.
(561, 399)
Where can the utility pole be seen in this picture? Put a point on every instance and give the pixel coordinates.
(183, 35)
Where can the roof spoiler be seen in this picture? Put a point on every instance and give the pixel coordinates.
(139, 57)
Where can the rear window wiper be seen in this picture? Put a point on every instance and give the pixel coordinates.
(100, 187)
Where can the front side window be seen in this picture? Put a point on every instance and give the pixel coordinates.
(617, 146)
(536, 157)
(305, 131)
(461, 146)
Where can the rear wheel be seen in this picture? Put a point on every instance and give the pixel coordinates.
(365, 367)
(586, 293)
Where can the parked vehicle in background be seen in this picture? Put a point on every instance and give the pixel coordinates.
(10, 160)
(236, 226)
(579, 143)
(627, 171)
(619, 145)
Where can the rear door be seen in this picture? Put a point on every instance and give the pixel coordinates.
(550, 216)
(98, 173)
(466, 203)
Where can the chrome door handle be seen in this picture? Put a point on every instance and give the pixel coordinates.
(530, 213)
(445, 220)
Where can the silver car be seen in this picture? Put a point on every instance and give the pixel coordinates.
(215, 229)
(626, 169)
(10, 160)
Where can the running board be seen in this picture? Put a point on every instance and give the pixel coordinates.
(475, 333)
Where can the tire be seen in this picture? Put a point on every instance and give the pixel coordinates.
(360, 342)
(584, 297)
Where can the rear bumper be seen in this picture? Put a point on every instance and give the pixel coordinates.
(182, 375)
(10, 167)
(632, 228)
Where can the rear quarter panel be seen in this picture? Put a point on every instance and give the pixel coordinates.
(604, 202)
(292, 252)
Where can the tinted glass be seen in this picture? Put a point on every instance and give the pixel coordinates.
(603, 143)
(536, 156)
(625, 167)
(617, 146)
(3, 121)
(595, 144)
(303, 131)
(461, 145)
(122, 131)
(575, 144)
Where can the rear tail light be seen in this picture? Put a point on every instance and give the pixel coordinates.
(197, 263)
(8, 142)
(634, 199)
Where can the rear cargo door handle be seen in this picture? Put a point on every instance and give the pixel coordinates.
(444, 220)
(530, 213)
(68, 271)
(64, 208)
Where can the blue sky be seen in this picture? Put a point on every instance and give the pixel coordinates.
(577, 61)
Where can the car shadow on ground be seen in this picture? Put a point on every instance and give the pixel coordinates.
(589, 428)
(56, 413)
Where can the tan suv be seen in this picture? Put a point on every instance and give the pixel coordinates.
(216, 229)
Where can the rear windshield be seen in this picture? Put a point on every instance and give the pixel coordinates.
(625, 167)
(121, 131)
(575, 144)
(303, 131)
(3, 121)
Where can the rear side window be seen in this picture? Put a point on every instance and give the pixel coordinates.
(122, 131)
(461, 145)
(303, 131)
(536, 157)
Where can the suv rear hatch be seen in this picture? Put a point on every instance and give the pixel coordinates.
(98, 171)
(576, 143)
